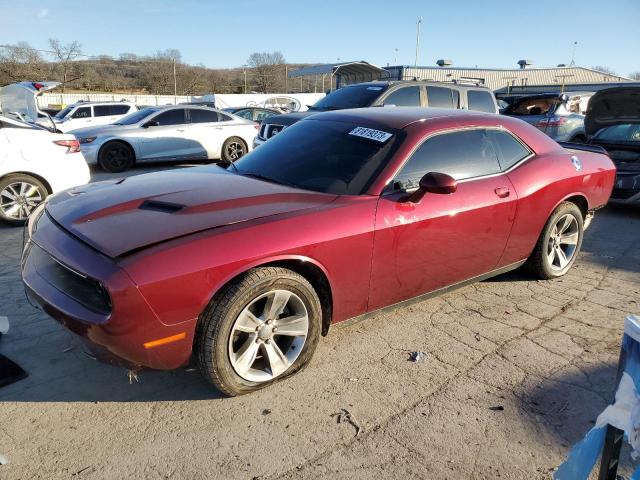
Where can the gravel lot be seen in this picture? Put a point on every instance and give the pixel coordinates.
(545, 351)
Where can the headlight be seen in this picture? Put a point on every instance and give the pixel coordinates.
(84, 140)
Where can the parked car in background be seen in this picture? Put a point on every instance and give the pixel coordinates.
(392, 94)
(176, 132)
(558, 115)
(613, 122)
(255, 114)
(340, 215)
(20, 102)
(34, 163)
(90, 114)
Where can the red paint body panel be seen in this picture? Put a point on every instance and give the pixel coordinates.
(162, 268)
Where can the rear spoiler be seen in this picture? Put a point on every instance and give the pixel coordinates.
(583, 147)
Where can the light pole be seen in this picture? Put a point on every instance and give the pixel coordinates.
(415, 63)
(395, 58)
(244, 70)
(573, 54)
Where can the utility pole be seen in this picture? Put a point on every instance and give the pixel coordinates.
(573, 54)
(175, 83)
(415, 64)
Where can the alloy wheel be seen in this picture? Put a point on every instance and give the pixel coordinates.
(563, 241)
(235, 150)
(19, 199)
(268, 335)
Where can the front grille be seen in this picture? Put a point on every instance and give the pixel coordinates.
(624, 193)
(84, 290)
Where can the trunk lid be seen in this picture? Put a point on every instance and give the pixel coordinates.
(612, 106)
(119, 216)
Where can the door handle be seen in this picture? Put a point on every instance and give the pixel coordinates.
(502, 192)
(180, 129)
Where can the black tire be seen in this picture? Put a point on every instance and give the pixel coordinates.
(211, 344)
(116, 157)
(8, 188)
(539, 263)
(233, 149)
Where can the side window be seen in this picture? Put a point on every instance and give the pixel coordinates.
(262, 114)
(102, 111)
(170, 117)
(119, 109)
(462, 154)
(481, 101)
(404, 97)
(439, 97)
(203, 116)
(224, 118)
(510, 150)
(83, 112)
(248, 114)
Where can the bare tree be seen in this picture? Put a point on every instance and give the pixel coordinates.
(20, 62)
(65, 55)
(606, 70)
(265, 67)
(634, 75)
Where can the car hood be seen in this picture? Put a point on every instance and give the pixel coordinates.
(287, 118)
(612, 106)
(117, 217)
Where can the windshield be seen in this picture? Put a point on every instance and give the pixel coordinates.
(136, 117)
(626, 132)
(329, 157)
(63, 113)
(354, 96)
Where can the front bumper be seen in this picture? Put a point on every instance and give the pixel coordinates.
(117, 336)
(627, 188)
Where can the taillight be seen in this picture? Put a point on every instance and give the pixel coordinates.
(73, 146)
(551, 122)
(38, 86)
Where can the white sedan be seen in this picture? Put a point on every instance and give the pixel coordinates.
(177, 132)
(33, 164)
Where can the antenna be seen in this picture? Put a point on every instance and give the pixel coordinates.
(573, 54)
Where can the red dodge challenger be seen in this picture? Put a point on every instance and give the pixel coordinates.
(340, 215)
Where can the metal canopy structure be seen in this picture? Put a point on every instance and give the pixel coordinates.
(345, 73)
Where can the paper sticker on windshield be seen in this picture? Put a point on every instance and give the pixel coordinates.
(371, 134)
(374, 88)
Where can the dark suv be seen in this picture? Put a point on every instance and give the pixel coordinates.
(391, 94)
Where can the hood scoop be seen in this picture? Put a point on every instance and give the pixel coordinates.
(159, 206)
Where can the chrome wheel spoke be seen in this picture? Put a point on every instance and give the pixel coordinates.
(247, 322)
(569, 239)
(275, 304)
(292, 326)
(11, 212)
(246, 356)
(277, 360)
(562, 257)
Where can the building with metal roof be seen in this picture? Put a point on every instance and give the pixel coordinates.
(521, 79)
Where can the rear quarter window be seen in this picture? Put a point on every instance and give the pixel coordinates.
(480, 101)
(510, 150)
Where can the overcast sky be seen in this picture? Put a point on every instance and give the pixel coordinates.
(489, 33)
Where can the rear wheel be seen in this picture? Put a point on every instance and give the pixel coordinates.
(262, 327)
(233, 149)
(116, 157)
(559, 242)
(19, 196)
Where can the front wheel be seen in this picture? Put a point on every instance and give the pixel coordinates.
(559, 242)
(19, 196)
(116, 157)
(262, 327)
(233, 149)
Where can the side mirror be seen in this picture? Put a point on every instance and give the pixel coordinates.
(434, 182)
(151, 123)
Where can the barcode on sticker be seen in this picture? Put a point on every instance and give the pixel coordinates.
(371, 134)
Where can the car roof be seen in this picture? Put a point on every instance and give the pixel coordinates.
(384, 83)
(398, 117)
(107, 102)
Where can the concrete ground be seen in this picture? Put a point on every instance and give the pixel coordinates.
(515, 371)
